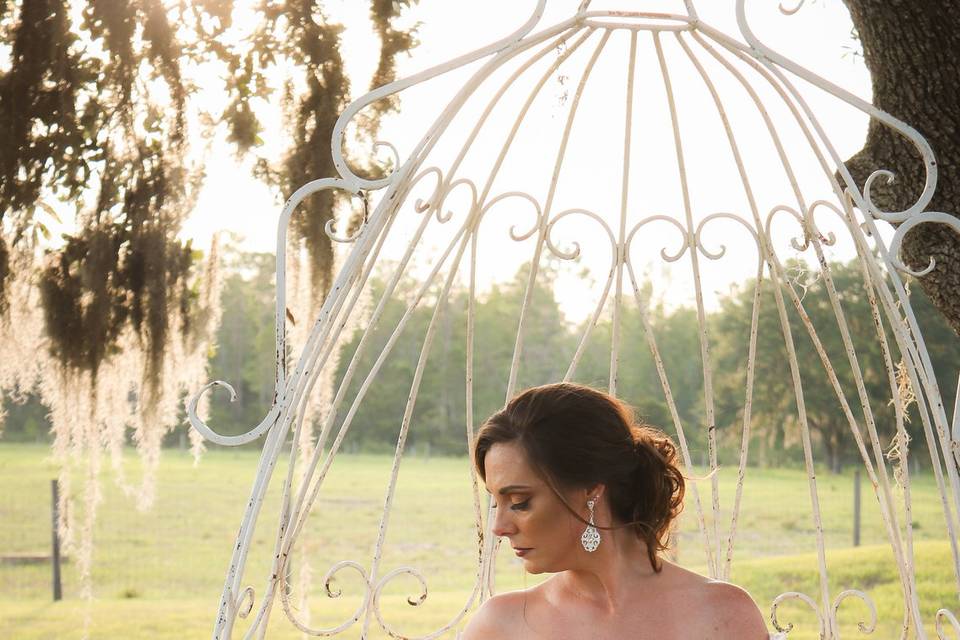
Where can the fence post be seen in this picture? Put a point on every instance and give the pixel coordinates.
(856, 507)
(55, 556)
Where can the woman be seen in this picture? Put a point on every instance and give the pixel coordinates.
(584, 493)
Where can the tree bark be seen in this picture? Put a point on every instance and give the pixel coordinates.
(912, 49)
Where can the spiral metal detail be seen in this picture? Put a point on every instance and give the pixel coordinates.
(951, 619)
(795, 595)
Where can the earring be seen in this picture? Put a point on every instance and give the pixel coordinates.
(591, 537)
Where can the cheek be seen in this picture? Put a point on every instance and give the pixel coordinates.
(556, 525)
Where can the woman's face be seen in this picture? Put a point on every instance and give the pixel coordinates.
(542, 532)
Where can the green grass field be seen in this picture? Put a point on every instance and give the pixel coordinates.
(158, 574)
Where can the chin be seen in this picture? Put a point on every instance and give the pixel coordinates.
(536, 568)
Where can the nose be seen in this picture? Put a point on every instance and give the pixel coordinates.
(503, 524)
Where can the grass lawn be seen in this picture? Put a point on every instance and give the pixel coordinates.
(158, 573)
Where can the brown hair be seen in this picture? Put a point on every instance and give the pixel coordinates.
(575, 437)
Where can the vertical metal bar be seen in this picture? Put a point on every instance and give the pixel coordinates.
(956, 413)
(535, 261)
(856, 507)
(624, 193)
(698, 294)
(755, 314)
(674, 414)
(439, 308)
(55, 537)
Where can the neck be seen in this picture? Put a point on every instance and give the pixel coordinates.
(614, 573)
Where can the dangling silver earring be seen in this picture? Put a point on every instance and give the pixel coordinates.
(591, 537)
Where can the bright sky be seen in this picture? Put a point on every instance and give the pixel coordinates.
(818, 37)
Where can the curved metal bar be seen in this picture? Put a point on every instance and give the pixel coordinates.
(327, 580)
(415, 387)
(494, 549)
(328, 227)
(513, 228)
(795, 595)
(867, 600)
(227, 441)
(280, 327)
(444, 218)
(796, 243)
(291, 535)
(572, 255)
(244, 610)
(723, 248)
(831, 238)
(703, 332)
(927, 217)
(789, 11)
(614, 255)
(420, 205)
(946, 614)
(668, 257)
(416, 602)
(495, 100)
(339, 161)
(558, 163)
(319, 355)
(303, 502)
(302, 505)
(226, 612)
(886, 174)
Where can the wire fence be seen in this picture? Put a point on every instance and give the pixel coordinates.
(180, 547)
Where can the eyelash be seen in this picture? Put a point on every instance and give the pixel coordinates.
(518, 506)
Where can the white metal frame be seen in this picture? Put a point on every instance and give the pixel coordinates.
(888, 298)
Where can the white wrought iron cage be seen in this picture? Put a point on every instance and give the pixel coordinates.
(692, 109)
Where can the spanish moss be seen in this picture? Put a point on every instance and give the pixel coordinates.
(112, 323)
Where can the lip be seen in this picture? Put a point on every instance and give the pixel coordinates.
(521, 551)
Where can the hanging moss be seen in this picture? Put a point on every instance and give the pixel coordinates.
(301, 34)
(83, 314)
(393, 42)
(93, 116)
(103, 279)
(45, 126)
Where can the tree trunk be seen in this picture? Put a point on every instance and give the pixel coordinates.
(912, 50)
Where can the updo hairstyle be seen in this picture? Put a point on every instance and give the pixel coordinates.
(576, 437)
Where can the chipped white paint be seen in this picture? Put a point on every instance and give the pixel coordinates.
(749, 64)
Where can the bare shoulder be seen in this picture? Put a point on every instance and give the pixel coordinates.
(498, 618)
(731, 613)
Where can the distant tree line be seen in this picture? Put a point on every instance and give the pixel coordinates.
(244, 357)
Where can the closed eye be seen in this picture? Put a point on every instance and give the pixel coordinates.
(520, 506)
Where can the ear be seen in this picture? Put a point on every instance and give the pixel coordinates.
(596, 491)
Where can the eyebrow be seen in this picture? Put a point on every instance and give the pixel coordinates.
(513, 488)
